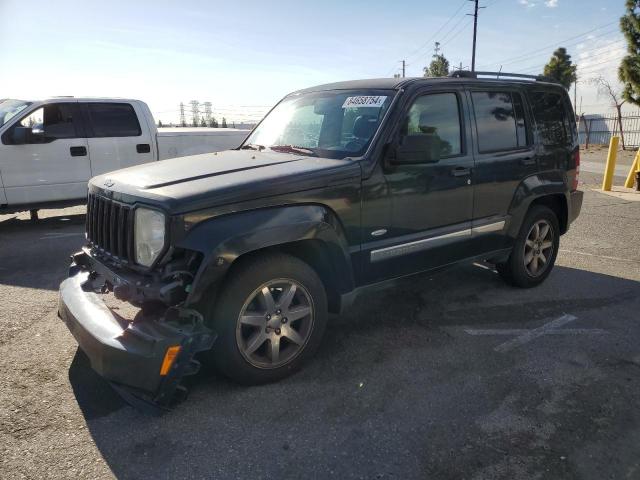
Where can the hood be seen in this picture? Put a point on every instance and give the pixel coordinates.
(201, 181)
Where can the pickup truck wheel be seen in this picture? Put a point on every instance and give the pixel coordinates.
(535, 250)
(269, 319)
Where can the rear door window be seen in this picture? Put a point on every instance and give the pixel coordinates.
(113, 120)
(500, 121)
(551, 118)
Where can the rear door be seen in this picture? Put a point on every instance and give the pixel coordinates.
(117, 138)
(49, 167)
(505, 156)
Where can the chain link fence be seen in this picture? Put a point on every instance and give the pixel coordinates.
(598, 129)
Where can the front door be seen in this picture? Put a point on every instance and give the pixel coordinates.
(116, 138)
(429, 204)
(52, 165)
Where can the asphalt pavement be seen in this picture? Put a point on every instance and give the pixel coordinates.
(455, 375)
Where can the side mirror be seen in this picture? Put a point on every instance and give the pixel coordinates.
(22, 135)
(415, 149)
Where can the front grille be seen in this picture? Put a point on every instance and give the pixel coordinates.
(110, 227)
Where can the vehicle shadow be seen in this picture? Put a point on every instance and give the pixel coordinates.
(382, 392)
(36, 254)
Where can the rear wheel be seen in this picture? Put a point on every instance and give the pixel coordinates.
(535, 250)
(269, 319)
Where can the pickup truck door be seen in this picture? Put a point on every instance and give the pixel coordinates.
(429, 205)
(53, 164)
(118, 136)
(3, 197)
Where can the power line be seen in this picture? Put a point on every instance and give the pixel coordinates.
(528, 54)
(464, 27)
(446, 35)
(546, 51)
(602, 50)
(412, 55)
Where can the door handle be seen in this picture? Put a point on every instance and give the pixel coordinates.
(143, 148)
(78, 151)
(528, 161)
(461, 172)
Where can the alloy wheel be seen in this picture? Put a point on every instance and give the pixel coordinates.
(538, 248)
(275, 323)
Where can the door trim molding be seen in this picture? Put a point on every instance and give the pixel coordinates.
(415, 246)
(488, 228)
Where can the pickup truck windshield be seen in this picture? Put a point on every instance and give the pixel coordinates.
(10, 108)
(330, 124)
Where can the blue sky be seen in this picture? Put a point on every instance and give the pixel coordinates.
(243, 56)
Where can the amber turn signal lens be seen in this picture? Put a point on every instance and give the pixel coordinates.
(169, 357)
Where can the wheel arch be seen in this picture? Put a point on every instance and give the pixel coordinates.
(548, 189)
(312, 233)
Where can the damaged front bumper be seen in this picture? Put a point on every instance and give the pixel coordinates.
(136, 356)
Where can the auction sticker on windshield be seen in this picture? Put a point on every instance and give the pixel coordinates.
(364, 101)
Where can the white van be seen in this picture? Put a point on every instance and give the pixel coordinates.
(50, 149)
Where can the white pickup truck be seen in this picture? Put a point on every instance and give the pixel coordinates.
(49, 149)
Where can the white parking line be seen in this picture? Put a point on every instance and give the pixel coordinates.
(50, 236)
(524, 335)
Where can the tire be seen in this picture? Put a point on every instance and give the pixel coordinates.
(243, 297)
(528, 249)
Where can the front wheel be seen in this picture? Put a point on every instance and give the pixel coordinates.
(535, 250)
(269, 318)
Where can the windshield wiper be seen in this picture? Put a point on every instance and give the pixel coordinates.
(253, 146)
(293, 149)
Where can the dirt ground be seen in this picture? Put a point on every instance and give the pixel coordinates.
(448, 376)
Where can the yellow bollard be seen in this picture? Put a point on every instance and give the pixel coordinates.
(611, 164)
(635, 167)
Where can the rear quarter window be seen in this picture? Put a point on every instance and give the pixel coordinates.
(113, 120)
(552, 118)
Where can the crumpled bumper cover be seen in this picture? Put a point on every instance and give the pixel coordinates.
(130, 354)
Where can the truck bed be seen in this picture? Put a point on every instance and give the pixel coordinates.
(180, 142)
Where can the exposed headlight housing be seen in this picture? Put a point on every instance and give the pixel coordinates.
(149, 235)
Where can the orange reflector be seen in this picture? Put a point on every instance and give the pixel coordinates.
(169, 357)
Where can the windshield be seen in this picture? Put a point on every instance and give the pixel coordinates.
(10, 108)
(330, 124)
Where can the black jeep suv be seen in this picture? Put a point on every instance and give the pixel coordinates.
(240, 255)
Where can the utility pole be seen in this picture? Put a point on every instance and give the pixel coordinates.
(195, 112)
(207, 113)
(475, 34)
(183, 123)
(404, 68)
(575, 94)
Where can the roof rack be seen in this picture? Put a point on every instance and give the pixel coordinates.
(469, 74)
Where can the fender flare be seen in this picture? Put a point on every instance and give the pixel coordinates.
(222, 240)
(543, 184)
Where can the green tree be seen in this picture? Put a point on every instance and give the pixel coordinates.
(224, 122)
(629, 70)
(203, 122)
(160, 124)
(439, 67)
(561, 68)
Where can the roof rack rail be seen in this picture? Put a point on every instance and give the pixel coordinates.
(469, 74)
